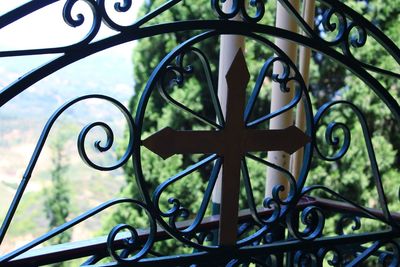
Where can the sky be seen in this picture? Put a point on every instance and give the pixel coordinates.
(46, 27)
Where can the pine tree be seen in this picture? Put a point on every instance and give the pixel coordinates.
(350, 176)
(194, 93)
(57, 197)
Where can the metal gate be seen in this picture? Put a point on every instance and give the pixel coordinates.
(301, 215)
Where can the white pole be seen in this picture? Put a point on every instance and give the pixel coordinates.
(304, 68)
(279, 99)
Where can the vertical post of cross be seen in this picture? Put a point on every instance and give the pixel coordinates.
(229, 45)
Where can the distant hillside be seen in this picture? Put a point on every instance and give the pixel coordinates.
(22, 120)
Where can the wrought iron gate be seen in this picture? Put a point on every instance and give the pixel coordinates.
(305, 245)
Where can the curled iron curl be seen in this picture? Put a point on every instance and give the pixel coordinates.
(344, 220)
(81, 139)
(177, 210)
(336, 257)
(312, 217)
(333, 140)
(120, 6)
(291, 196)
(67, 14)
(330, 26)
(97, 144)
(124, 6)
(271, 203)
(239, 8)
(274, 202)
(268, 203)
(305, 258)
(80, 19)
(132, 243)
(178, 72)
(330, 137)
(360, 39)
(109, 141)
(356, 37)
(259, 6)
(283, 79)
(345, 36)
(280, 188)
(370, 150)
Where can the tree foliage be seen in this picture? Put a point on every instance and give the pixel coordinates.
(57, 197)
(350, 176)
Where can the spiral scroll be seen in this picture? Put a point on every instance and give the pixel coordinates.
(367, 138)
(283, 79)
(110, 138)
(312, 217)
(178, 211)
(120, 6)
(100, 14)
(344, 220)
(132, 243)
(348, 33)
(179, 71)
(80, 18)
(239, 8)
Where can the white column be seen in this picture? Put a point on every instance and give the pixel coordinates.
(304, 68)
(279, 99)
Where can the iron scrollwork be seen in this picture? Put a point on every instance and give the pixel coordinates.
(307, 243)
(178, 77)
(81, 140)
(132, 243)
(239, 8)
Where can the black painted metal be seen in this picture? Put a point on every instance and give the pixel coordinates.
(307, 245)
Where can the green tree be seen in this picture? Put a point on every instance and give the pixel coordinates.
(57, 197)
(194, 93)
(350, 176)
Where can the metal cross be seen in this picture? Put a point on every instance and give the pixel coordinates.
(231, 143)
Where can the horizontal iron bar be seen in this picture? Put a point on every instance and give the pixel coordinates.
(345, 207)
(223, 256)
(80, 249)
